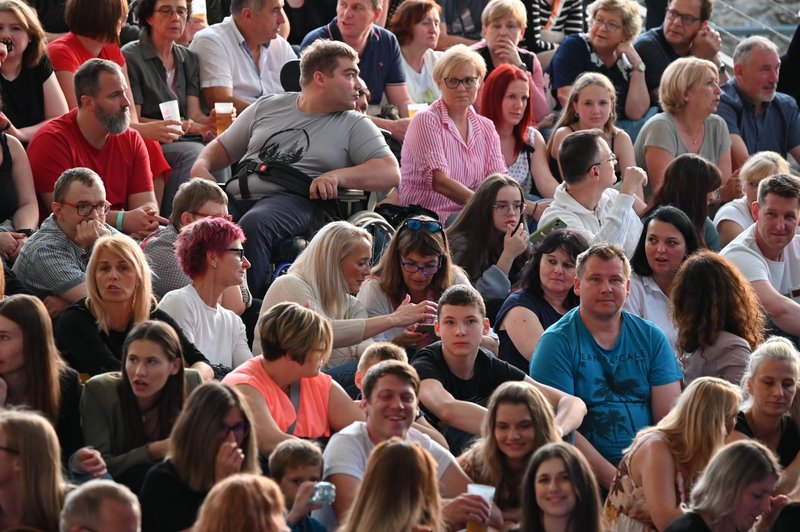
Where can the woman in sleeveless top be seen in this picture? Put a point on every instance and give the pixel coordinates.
(591, 104)
(656, 474)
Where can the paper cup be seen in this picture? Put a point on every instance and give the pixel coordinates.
(171, 111)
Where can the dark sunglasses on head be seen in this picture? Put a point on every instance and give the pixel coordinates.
(415, 224)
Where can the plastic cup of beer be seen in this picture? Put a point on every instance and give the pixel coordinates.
(224, 116)
(414, 108)
(487, 492)
(171, 111)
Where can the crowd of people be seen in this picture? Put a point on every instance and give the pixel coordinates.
(580, 313)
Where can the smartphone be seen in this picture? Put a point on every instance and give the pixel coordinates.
(426, 328)
(544, 230)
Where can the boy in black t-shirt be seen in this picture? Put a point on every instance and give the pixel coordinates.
(457, 376)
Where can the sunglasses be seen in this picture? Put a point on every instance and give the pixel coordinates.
(415, 224)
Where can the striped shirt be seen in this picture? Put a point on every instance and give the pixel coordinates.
(433, 142)
(563, 16)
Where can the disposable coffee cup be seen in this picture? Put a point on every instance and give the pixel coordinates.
(171, 111)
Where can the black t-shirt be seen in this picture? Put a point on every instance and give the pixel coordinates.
(8, 190)
(168, 504)
(51, 14)
(23, 98)
(688, 522)
(789, 444)
(490, 372)
(303, 20)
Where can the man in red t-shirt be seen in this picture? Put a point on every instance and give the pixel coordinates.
(96, 135)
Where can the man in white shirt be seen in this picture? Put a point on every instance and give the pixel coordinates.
(768, 252)
(390, 401)
(585, 201)
(242, 56)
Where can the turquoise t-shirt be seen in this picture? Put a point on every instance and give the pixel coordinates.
(614, 383)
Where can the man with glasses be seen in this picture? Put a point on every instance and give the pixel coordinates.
(241, 57)
(379, 56)
(586, 201)
(52, 263)
(685, 32)
(96, 135)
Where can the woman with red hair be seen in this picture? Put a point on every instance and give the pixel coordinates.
(505, 101)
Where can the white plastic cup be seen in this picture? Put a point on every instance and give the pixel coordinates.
(487, 492)
(414, 108)
(171, 111)
(224, 116)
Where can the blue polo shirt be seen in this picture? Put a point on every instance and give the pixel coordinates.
(657, 53)
(380, 62)
(776, 128)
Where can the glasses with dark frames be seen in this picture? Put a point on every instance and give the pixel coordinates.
(237, 251)
(240, 430)
(469, 82)
(85, 209)
(427, 269)
(687, 20)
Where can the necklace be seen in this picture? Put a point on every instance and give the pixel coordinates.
(696, 139)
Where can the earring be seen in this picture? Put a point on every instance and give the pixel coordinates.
(577, 116)
(214, 265)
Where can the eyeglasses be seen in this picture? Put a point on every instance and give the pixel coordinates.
(415, 224)
(687, 20)
(85, 209)
(240, 430)
(237, 251)
(609, 25)
(426, 269)
(206, 215)
(612, 160)
(167, 11)
(469, 83)
(9, 450)
(504, 207)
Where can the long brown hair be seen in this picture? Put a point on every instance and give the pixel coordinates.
(43, 364)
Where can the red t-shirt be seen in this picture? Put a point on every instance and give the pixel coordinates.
(122, 163)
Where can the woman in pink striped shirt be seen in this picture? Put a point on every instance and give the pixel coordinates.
(449, 148)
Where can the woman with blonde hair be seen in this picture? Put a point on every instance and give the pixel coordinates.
(91, 332)
(32, 490)
(658, 470)
(410, 501)
(287, 393)
(715, 334)
(689, 94)
(243, 502)
(771, 407)
(211, 441)
(737, 215)
(449, 148)
(519, 421)
(591, 104)
(326, 276)
(734, 490)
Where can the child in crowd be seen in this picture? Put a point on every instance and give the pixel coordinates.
(296, 465)
(458, 376)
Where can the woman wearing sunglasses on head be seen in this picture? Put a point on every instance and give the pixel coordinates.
(415, 265)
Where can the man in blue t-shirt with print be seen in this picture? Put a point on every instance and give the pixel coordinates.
(620, 365)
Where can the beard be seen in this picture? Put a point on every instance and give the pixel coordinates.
(114, 123)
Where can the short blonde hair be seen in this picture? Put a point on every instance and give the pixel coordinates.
(628, 10)
(455, 57)
(499, 9)
(762, 165)
(680, 76)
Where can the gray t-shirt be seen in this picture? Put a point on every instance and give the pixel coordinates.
(275, 129)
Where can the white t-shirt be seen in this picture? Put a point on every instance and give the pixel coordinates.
(347, 453)
(783, 275)
(737, 211)
(648, 301)
(217, 332)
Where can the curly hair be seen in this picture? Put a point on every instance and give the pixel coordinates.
(198, 239)
(700, 318)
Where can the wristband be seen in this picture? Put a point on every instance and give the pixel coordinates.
(120, 219)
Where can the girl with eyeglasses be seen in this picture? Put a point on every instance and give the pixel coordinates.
(489, 239)
(91, 333)
(416, 264)
(210, 252)
(212, 440)
(128, 415)
(449, 148)
(546, 294)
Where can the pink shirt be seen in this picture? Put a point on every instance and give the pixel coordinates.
(434, 143)
(312, 418)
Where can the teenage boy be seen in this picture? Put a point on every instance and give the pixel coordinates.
(296, 465)
(458, 376)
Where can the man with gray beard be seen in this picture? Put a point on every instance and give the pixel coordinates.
(96, 135)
